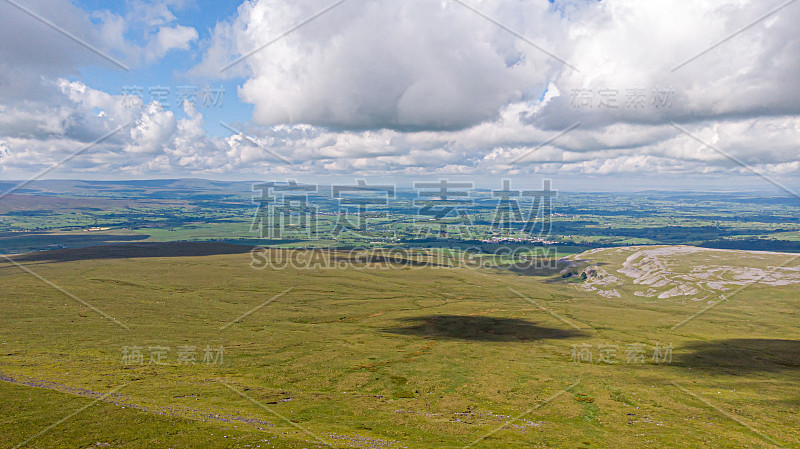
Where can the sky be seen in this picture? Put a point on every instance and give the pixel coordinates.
(596, 95)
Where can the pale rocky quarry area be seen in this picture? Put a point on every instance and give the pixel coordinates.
(698, 274)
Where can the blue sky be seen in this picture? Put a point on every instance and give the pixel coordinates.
(618, 94)
(171, 70)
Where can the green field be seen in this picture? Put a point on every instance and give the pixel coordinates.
(382, 356)
(78, 213)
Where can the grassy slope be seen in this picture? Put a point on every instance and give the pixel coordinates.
(422, 357)
(28, 411)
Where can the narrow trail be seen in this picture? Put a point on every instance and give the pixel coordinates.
(123, 400)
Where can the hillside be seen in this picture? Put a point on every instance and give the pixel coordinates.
(385, 356)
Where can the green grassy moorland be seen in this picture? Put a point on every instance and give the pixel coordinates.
(385, 356)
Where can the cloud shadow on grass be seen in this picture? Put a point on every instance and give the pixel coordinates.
(741, 355)
(479, 328)
(136, 250)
